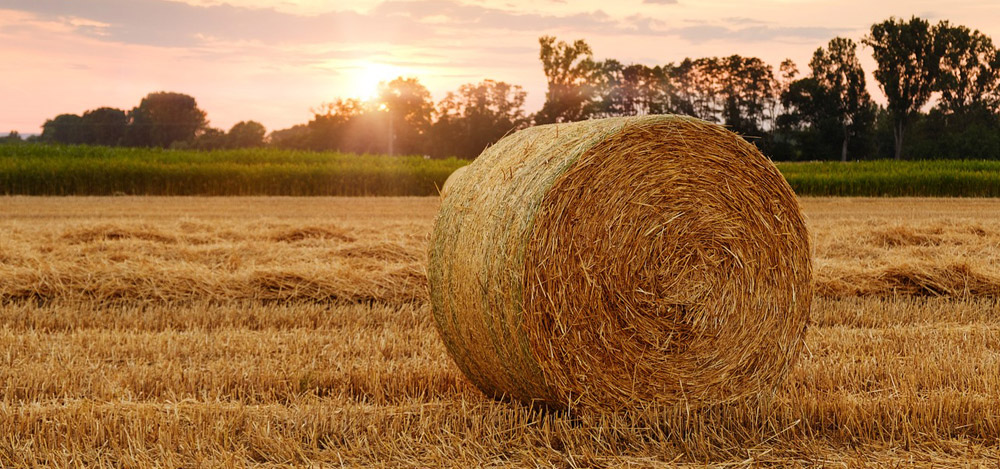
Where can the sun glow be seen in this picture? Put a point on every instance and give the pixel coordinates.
(368, 76)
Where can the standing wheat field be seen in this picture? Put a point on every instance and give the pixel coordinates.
(189, 332)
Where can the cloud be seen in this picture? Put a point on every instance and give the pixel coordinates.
(743, 20)
(453, 14)
(175, 24)
(746, 30)
(172, 24)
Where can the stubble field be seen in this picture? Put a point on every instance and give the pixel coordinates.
(169, 332)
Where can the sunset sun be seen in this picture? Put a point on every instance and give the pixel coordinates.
(369, 74)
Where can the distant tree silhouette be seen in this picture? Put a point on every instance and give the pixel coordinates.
(208, 138)
(841, 79)
(295, 137)
(827, 114)
(344, 125)
(408, 107)
(967, 134)
(569, 69)
(397, 121)
(631, 90)
(908, 59)
(65, 129)
(737, 91)
(12, 137)
(969, 74)
(692, 92)
(104, 126)
(246, 134)
(747, 89)
(788, 71)
(809, 118)
(163, 118)
(476, 116)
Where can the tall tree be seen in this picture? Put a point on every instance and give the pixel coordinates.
(787, 72)
(908, 63)
(569, 69)
(104, 126)
(295, 137)
(840, 77)
(477, 115)
(684, 80)
(246, 134)
(409, 108)
(747, 86)
(969, 69)
(699, 87)
(163, 118)
(807, 104)
(338, 125)
(64, 128)
(631, 90)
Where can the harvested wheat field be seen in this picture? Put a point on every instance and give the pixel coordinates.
(187, 332)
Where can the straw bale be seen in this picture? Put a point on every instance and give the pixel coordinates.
(455, 175)
(621, 263)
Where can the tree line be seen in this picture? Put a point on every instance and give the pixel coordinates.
(162, 119)
(824, 113)
(941, 83)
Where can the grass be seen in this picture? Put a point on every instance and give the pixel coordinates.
(930, 178)
(262, 331)
(33, 169)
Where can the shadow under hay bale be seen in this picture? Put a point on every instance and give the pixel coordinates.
(621, 262)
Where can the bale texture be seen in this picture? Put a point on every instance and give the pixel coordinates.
(621, 262)
(454, 176)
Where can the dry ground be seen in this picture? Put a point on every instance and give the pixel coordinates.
(270, 331)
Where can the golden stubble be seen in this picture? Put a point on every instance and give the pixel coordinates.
(184, 332)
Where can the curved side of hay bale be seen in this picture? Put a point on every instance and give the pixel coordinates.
(621, 262)
(454, 176)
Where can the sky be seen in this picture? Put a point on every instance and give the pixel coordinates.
(273, 61)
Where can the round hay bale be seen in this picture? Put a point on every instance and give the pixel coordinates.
(454, 176)
(621, 262)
